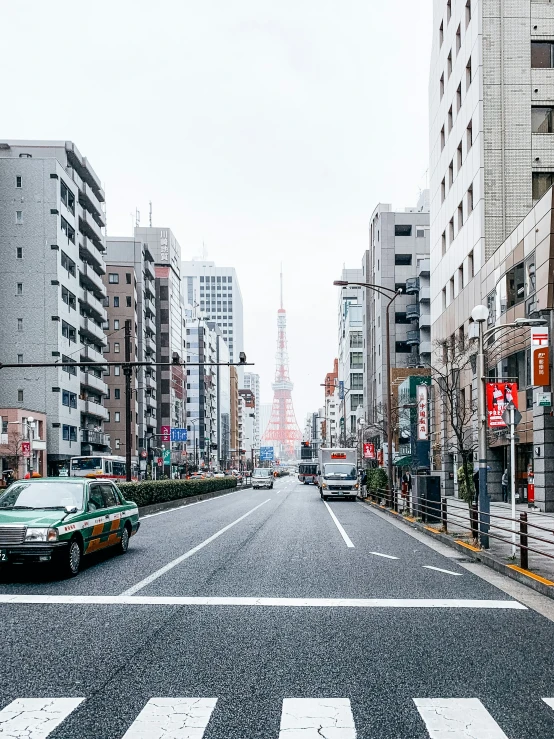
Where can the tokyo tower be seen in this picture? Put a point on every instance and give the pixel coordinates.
(282, 428)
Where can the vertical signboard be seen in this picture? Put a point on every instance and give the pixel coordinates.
(499, 394)
(422, 413)
(540, 364)
(165, 433)
(341, 390)
(369, 451)
(26, 448)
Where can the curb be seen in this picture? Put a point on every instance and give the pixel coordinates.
(530, 579)
(168, 505)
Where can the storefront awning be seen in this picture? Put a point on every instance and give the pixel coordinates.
(403, 461)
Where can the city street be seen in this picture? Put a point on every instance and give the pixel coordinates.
(218, 623)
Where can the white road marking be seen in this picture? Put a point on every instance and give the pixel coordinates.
(170, 565)
(314, 718)
(35, 718)
(172, 718)
(388, 556)
(189, 505)
(162, 600)
(439, 569)
(458, 718)
(339, 527)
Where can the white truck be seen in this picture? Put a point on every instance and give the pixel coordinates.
(337, 473)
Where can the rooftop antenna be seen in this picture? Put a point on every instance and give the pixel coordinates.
(137, 217)
(204, 251)
(150, 214)
(281, 285)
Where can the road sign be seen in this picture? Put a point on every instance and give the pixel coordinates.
(506, 416)
(167, 456)
(160, 462)
(540, 364)
(26, 448)
(178, 434)
(165, 432)
(266, 453)
(544, 399)
(144, 454)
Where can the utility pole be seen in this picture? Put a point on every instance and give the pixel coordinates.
(128, 371)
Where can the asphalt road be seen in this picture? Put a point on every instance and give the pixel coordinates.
(258, 614)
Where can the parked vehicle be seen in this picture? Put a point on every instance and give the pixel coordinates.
(337, 473)
(262, 477)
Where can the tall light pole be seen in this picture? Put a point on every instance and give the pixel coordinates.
(385, 292)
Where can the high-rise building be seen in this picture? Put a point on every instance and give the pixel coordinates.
(131, 291)
(248, 422)
(215, 293)
(350, 359)
(252, 382)
(52, 248)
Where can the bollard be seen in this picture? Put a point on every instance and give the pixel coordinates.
(523, 542)
(444, 515)
(474, 516)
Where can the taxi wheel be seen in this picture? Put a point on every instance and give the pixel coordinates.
(124, 543)
(71, 561)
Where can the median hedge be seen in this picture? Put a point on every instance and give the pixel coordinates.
(148, 492)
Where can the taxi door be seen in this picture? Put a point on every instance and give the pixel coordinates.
(101, 502)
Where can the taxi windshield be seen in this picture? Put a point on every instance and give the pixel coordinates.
(42, 495)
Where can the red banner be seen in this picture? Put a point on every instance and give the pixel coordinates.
(369, 451)
(380, 457)
(499, 394)
(26, 448)
(165, 433)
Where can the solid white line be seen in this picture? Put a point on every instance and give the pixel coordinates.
(388, 556)
(458, 718)
(339, 527)
(162, 600)
(35, 718)
(155, 575)
(189, 505)
(179, 718)
(439, 569)
(307, 718)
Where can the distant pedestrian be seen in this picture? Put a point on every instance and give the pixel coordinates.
(505, 486)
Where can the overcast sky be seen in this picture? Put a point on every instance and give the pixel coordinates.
(267, 129)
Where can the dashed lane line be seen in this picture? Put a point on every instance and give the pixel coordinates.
(170, 565)
(380, 554)
(439, 569)
(337, 523)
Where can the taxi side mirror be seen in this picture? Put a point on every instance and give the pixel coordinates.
(69, 509)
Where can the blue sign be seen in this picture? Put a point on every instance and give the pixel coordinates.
(178, 434)
(341, 389)
(266, 454)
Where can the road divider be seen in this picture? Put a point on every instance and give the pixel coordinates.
(337, 523)
(170, 565)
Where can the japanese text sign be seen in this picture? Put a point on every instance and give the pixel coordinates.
(422, 413)
(540, 366)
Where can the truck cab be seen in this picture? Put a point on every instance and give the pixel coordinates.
(337, 474)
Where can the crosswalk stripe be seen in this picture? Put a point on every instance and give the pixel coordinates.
(457, 718)
(172, 718)
(35, 718)
(313, 718)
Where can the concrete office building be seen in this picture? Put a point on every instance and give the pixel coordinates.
(350, 359)
(397, 258)
(52, 248)
(248, 422)
(215, 292)
(131, 291)
(252, 382)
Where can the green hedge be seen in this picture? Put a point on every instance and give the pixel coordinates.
(148, 492)
(377, 479)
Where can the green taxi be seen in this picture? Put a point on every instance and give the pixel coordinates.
(60, 520)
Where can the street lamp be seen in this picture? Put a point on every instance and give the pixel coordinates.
(385, 292)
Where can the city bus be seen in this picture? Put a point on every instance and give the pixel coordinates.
(307, 472)
(102, 466)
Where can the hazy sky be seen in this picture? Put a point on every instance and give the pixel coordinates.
(267, 129)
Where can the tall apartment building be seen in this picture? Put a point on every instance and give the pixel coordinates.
(252, 382)
(170, 381)
(234, 417)
(397, 258)
(215, 292)
(350, 359)
(331, 411)
(130, 278)
(248, 421)
(52, 248)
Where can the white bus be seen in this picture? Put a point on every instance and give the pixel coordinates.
(112, 468)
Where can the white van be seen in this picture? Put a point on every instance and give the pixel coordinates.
(262, 477)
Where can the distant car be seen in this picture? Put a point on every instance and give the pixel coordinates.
(219, 474)
(61, 520)
(262, 478)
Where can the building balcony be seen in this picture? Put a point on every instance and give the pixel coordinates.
(412, 311)
(150, 382)
(425, 347)
(149, 346)
(150, 401)
(88, 200)
(92, 306)
(412, 338)
(91, 280)
(425, 321)
(88, 328)
(149, 288)
(89, 227)
(425, 295)
(90, 380)
(412, 285)
(90, 352)
(149, 325)
(90, 253)
(424, 267)
(83, 168)
(149, 269)
(89, 436)
(149, 307)
(90, 408)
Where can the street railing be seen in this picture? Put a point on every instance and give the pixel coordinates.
(525, 535)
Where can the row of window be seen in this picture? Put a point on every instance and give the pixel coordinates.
(447, 299)
(67, 197)
(459, 29)
(518, 284)
(113, 278)
(128, 301)
(462, 216)
(218, 279)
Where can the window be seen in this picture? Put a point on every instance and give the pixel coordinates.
(117, 394)
(116, 347)
(20, 324)
(470, 268)
(116, 301)
(117, 443)
(420, 233)
(468, 12)
(459, 156)
(443, 138)
(19, 288)
(113, 278)
(107, 349)
(541, 120)
(542, 54)
(356, 339)
(356, 360)
(69, 433)
(451, 174)
(20, 358)
(128, 278)
(117, 416)
(441, 88)
(443, 190)
(449, 64)
(469, 199)
(443, 243)
(401, 347)
(20, 396)
(356, 381)
(19, 216)
(448, 10)
(67, 365)
(129, 301)
(542, 182)
(460, 215)
(69, 332)
(441, 33)
(460, 277)
(469, 136)
(458, 38)
(69, 399)
(403, 259)
(515, 284)
(116, 324)
(356, 399)
(117, 370)
(450, 119)
(68, 298)
(443, 298)
(67, 197)
(68, 264)
(452, 293)
(468, 74)
(401, 318)
(18, 180)
(530, 277)
(19, 252)
(403, 230)
(68, 229)
(451, 230)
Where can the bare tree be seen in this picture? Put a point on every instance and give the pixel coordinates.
(12, 452)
